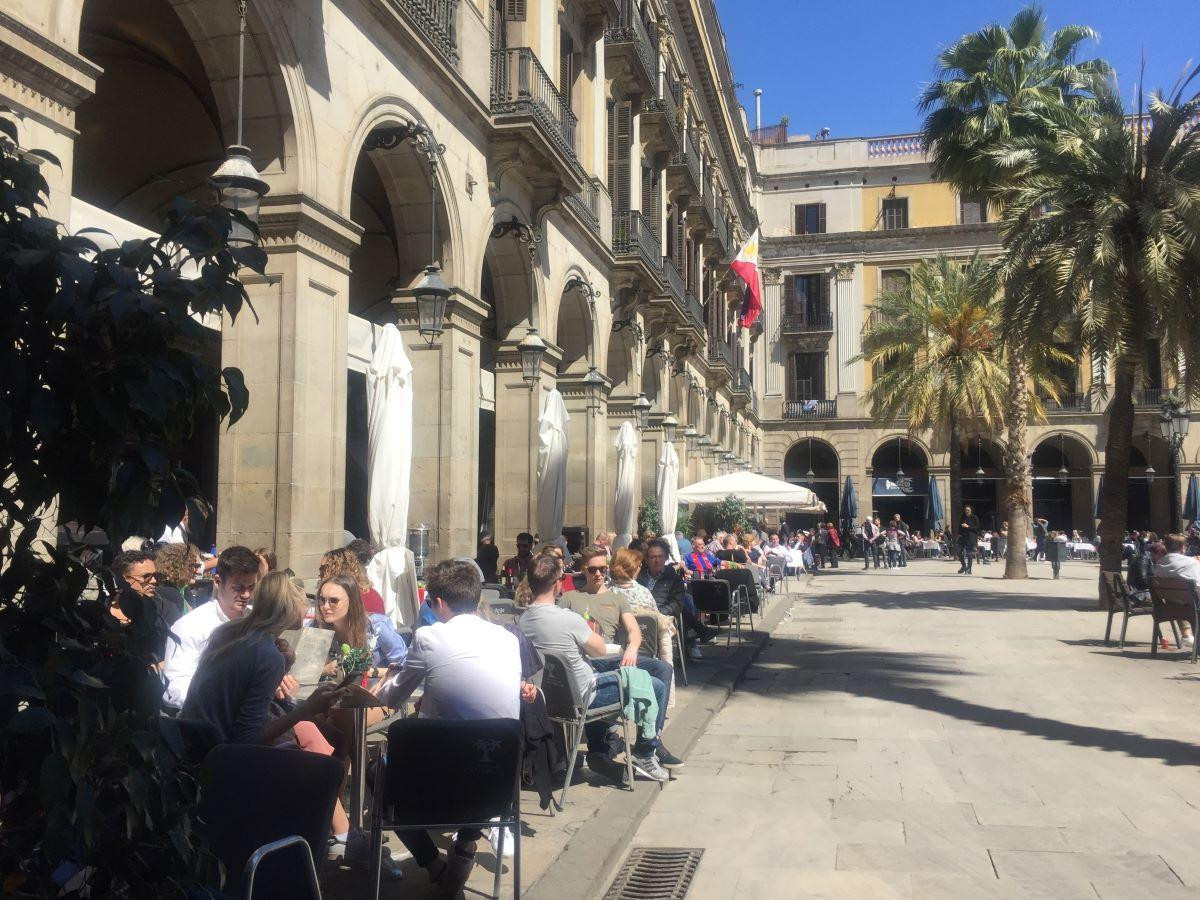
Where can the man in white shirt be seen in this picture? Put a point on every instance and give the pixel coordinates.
(234, 581)
(1176, 564)
(471, 669)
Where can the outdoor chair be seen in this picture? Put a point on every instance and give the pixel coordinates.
(569, 708)
(743, 580)
(490, 595)
(681, 646)
(718, 597)
(1175, 600)
(266, 814)
(1120, 598)
(777, 572)
(480, 785)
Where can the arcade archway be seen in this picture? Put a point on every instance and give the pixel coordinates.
(900, 481)
(813, 463)
(1062, 483)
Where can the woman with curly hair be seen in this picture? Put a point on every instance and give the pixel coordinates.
(344, 561)
(177, 568)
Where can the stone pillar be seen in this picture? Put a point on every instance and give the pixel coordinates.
(445, 439)
(849, 375)
(587, 472)
(619, 410)
(281, 475)
(518, 408)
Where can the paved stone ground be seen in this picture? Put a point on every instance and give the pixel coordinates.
(915, 733)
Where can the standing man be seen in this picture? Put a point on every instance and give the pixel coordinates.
(1039, 535)
(968, 540)
(903, 534)
(234, 580)
(835, 543)
(869, 532)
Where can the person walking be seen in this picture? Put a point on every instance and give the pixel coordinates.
(1039, 536)
(835, 543)
(968, 540)
(903, 535)
(868, 532)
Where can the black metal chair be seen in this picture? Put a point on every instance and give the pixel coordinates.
(266, 814)
(447, 775)
(718, 597)
(743, 582)
(1120, 598)
(569, 707)
(1175, 600)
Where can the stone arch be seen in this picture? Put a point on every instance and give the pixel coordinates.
(822, 458)
(575, 325)
(176, 58)
(1064, 499)
(1084, 445)
(621, 362)
(915, 446)
(513, 268)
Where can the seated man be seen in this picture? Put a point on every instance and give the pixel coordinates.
(667, 588)
(471, 669)
(234, 581)
(1170, 560)
(515, 566)
(564, 631)
(700, 563)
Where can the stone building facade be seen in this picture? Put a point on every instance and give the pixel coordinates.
(596, 178)
(846, 219)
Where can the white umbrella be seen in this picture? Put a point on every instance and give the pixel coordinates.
(389, 471)
(552, 469)
(666, 484)
(623, 502)
(753, 490)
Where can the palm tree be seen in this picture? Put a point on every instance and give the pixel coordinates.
(935, 345)
(993, 86)
(1106, 214)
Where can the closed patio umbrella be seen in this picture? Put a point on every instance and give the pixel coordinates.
(1191, 502)
(933, 505)
(552, 469)
(1099, 497)
(667, 483)
(623, 502)
(849, 510)
(389, 470)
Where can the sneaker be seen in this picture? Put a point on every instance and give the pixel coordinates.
(600, 763)
(458, 870)
(694, 653)
(648, 767)
(667, 759)
(1188, 641)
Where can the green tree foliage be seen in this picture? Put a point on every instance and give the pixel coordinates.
(648, 518)
(99, 387)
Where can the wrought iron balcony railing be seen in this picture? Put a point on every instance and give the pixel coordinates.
(672, 280)
(742, 382)
(521, 86)
(633, 31)
(1067, 403)
(688, 160)
(438, 21)
(1150, 396)
(695, 311)
(587, 204)
(663, 108)
(809, 409)
(720, 352)
(808, 322)
(633, 237)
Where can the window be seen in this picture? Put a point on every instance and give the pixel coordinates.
(810, 218)
(893, 280)
(807, 296)
(806, 379)
(895, 213)
(973, 210)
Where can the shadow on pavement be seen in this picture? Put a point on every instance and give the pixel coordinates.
(908, 678)
(974, 600)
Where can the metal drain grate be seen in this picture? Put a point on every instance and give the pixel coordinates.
(655, 873)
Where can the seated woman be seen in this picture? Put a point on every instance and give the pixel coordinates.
(242, 668)
(178, 567)
(343, 561)
(624, 569)
(731, 552)
(371, 637)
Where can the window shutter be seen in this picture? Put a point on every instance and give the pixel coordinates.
(820, 218)
(799, 224)
(789, 386)
(821, 359)
(566, 75)
(514, 10)
(620, 131)
(789, 295)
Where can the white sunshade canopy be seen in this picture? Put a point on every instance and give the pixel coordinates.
(552, 469)
(624, 506)
(753, 490)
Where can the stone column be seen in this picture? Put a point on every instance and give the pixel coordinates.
(773, 371)
(587, 434)
(445, 439)
(518, 408)
(281, 474)
(849, 375)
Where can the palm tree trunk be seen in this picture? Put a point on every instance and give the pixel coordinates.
(955, 474)
(1015, 502)
(1114, 502)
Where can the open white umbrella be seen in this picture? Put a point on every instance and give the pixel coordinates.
(552, 469)
(753, 490)
(666, 484)
(623, 501)
(389, 472)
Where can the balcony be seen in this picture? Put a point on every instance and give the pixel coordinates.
(529, 111)
(587, 206)
(684, 166)
(742, 383)
(813, 321)
(634, 241)
(720, 353)
(809, 409)
(437, 21)
(631, 56)
(673, 281)
(661, 117)
(1150, 397)
(695, 313)
(1067, 403)
(718, 240)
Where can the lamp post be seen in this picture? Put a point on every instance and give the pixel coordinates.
(669, 426)
(237, 183)
(641, 411)
(593, 386)
(1173, 422)
(532, 348)
(690, 436)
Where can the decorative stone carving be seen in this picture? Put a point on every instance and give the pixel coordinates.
(844, 269)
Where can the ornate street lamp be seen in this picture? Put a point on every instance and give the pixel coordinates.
(1173, 422)
(431, 293)
(669, 425)
(237, 183)
(1064, 474)
(532, 348)
(1150, 473)
(593, 386)
(641, 411)
(899, 464)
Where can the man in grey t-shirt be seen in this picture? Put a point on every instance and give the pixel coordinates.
(562, 631)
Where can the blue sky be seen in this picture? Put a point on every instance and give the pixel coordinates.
(858, 66)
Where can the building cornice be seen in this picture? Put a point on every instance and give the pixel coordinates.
(860, 244)
(290, 222)
(40, 78)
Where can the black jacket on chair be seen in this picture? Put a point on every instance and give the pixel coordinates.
(667, 591)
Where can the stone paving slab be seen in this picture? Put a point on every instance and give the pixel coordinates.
(913, 733)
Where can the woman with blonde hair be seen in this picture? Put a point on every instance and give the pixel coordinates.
(344, 561)
(243, 666)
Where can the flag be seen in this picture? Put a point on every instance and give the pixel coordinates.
(745, 266)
